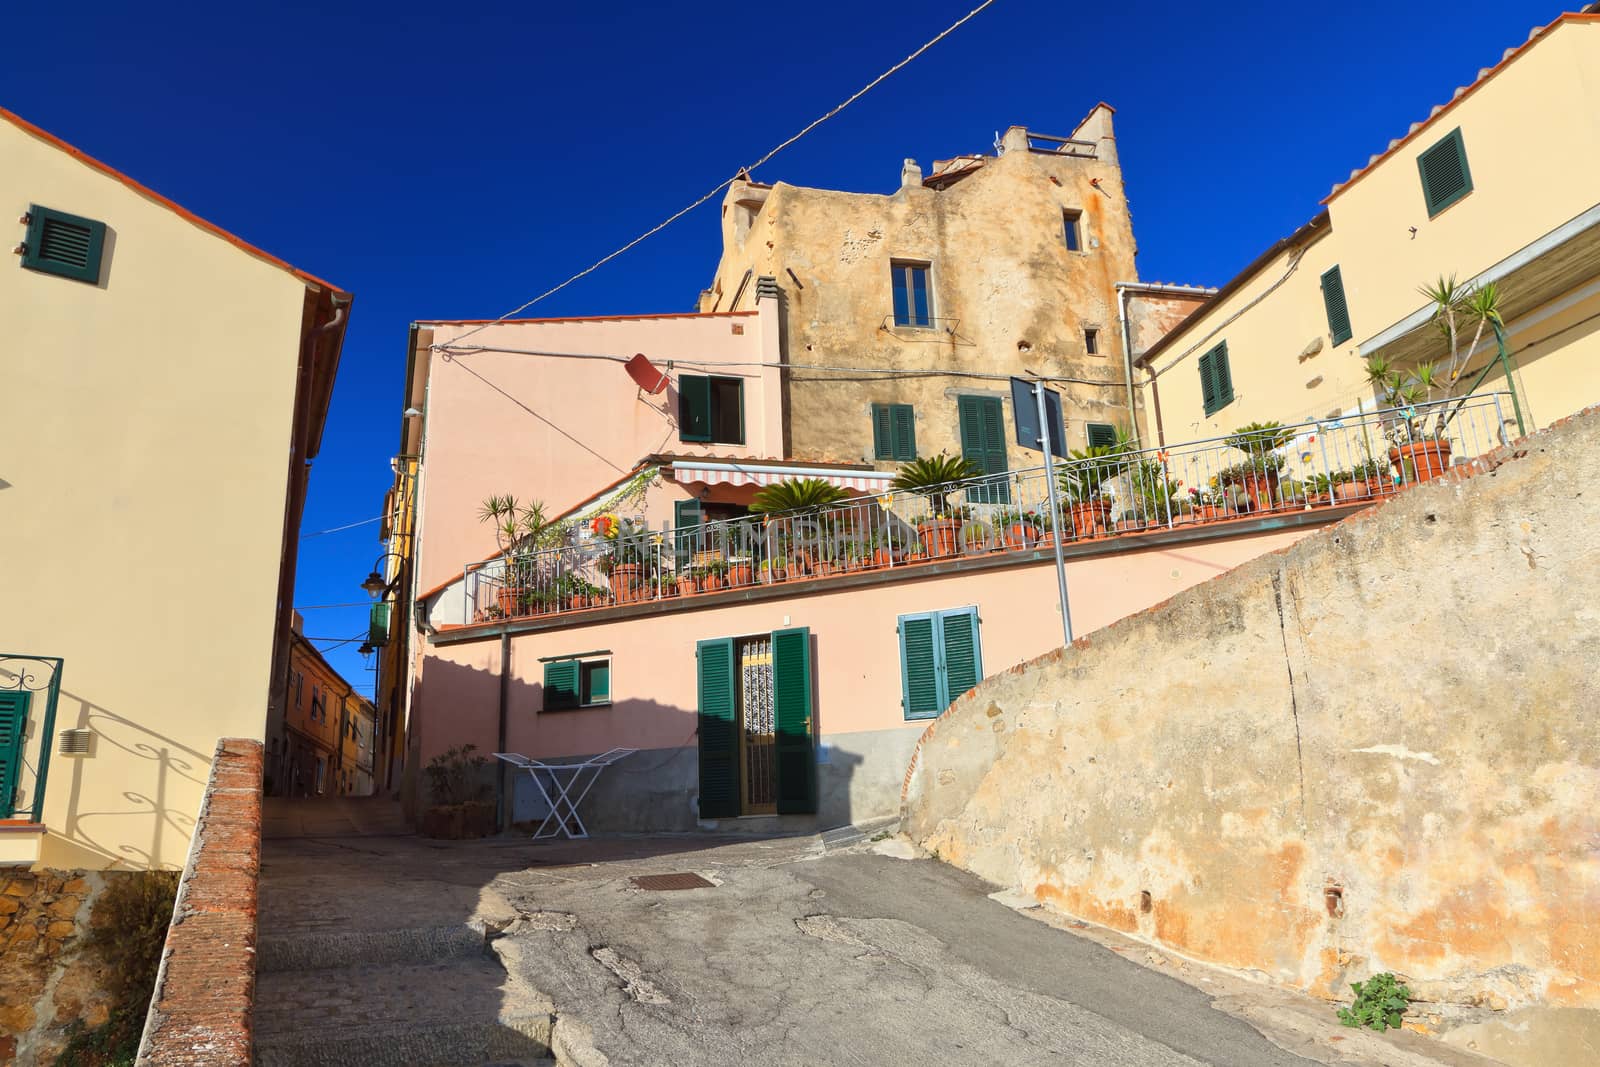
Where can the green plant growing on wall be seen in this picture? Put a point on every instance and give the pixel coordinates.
(128, 935)
(1380, 1002)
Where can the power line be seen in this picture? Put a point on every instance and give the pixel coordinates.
(346, 526)
(674, 217)
(347, 604)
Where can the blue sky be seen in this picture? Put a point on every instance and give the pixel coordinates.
(452, 160)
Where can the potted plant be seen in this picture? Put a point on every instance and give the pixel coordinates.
(1155, 496)
(713, 575)
(1208, 504)
(934, 477)
(1365, 479)
(461, 808)
(774, 568)
(1017, 528)
(1083, 486)
(513, 524)
(628, 558)
(1420, 448)
(1262, 444)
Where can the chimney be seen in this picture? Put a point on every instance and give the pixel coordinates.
(910, 175)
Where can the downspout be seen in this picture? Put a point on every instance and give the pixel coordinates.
(502, 816)
(1127, 356)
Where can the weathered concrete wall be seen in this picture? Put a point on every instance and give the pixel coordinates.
(1399, 708)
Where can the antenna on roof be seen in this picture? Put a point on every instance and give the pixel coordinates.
(999, 145)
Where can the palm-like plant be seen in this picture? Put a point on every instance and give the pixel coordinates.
(805, 496)
(513, 522)
(1456, 308)
(934, 477)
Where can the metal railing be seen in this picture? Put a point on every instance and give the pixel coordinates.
(1105, 493)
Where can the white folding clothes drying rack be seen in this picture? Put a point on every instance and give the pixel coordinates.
(570, 783)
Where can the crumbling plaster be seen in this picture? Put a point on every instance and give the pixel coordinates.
(1373, 750)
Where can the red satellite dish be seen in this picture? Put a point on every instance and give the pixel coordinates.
(646, 375)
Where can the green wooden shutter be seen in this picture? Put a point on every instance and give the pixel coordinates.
(13, 724)
(719, 742)
(687, 518)
(795, 747)
(1333, 303)
(1102, 434)
(983, 441)
(961, 656)
(904, 419)
(694, 407)
(1446, 177)
(67, 245)
(882, 432)
(378, 624)
(919, 667)
(561, 684)
(1216, 379)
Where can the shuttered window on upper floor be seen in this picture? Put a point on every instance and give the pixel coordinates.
(894, 431)
(70, 246)
(1334, 303)
(1216, 379)
(1446, 177)
(1101, 434)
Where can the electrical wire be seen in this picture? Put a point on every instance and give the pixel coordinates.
(453, 349)
(336, 529)
(347, 604)
(675, 216)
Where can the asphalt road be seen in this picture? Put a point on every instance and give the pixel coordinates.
(848, 958)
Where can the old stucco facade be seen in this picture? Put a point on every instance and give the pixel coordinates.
(1338, 759)
(1007, 294)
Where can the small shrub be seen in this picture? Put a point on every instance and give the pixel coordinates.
(1379, 1003)
(455, 776)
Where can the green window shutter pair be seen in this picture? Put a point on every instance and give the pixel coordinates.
(1216, 379)
(1446, 177)
(795, 746)
(894, 431)
(1333, 303)
(13, 724)
(1102, 434)
(561, 680)
(70, 246)
(983, 442)
(940, 658)
(378, 624)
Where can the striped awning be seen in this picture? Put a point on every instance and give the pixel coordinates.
(711, 472)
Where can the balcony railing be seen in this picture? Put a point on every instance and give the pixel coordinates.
(1103, 493)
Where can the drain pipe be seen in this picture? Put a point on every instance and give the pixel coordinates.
(502, 816)
(1127, 355)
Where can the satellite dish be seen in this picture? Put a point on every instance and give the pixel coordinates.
(646, 375)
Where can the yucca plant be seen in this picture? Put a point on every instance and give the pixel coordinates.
(1457, 309)
(804, 496)
(513, 523)
(933, 477)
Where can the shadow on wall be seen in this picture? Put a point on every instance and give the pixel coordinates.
(656, 789)
(145, 814)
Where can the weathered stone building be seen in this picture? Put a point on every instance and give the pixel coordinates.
(991, 265)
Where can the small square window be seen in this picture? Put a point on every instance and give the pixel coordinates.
(711, 409)
(913, 302)
(1091, 342)
(1072, 230)
(577, 683)
(66, 245)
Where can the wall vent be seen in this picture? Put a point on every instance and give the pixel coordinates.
(75, 742)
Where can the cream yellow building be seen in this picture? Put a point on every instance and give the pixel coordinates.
(1496, 185)
(165, 388)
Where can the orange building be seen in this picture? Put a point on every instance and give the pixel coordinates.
(325, 747)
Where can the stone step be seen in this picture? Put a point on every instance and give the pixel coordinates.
(309, 951)
(459, 1012)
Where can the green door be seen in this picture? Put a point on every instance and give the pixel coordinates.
(983, 443)
(13, 722)
(796, 741)
(719, 740)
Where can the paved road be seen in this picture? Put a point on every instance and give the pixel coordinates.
(795, 955)
(852, 959)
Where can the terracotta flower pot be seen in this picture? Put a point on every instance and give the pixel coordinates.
(1090, 518)
(1262, 487)
(1420, 461)
(626, 582)
(882, 557)
(1350, 492)
(1021, 535)
(938, 536)
(740, 574)
(506, 598)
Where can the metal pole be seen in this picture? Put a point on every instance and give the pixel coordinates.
(1505, 362)
(1055, 513)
